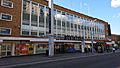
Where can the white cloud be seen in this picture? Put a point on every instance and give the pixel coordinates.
(85, 4)
(115, 3)
(116, 15)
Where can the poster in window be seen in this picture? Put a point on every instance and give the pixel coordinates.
(21, 49)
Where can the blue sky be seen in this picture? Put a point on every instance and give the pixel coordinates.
(107, 10)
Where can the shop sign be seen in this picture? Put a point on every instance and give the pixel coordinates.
(72, 38)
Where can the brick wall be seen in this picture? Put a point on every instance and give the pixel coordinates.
(16, 19)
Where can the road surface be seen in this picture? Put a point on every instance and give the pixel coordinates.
(101, 61)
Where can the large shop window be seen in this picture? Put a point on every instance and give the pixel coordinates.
(24, 49)
(6, 17)
(7, 3)
(41, 48)
(5, 31)
(5, 50)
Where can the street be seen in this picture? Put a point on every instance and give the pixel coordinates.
(101, 61)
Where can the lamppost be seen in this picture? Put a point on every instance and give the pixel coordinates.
(83, 40)
(92, 33)
(51, 32)
(92, 41)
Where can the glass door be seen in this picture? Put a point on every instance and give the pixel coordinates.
(9, 50)
(5, 50)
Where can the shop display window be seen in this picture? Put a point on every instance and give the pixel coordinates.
(41, 48)
(5, 50)
(24, 49)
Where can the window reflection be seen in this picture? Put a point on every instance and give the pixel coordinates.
(64, 23)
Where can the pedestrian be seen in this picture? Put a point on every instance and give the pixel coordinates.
(113, 49)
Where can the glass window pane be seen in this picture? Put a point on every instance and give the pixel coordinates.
(34, 14)
(41, 33)
(26, 12)
(47, 17)
(7, 3)
(25, 32)
(6, 17)
(33, 32)
(6, 31)
(41, 16)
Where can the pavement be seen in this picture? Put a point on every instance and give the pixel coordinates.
(35, 59)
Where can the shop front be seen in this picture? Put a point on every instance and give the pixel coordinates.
(77, 47)
(66, 47)
(88, 48)
(100, 47)
(15, 46)
(40, 48)
(31, 48)
(108, 47)
(18, 49)
(5, 49)
(59, 48)
(24, 49)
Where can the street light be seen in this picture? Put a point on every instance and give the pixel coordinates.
(83, 40)
(51, 32)
(92, 36)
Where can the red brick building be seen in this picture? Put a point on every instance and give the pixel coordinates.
(24, 28)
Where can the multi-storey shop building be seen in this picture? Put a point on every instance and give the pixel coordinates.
(24, 28)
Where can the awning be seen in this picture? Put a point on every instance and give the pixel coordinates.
(34, 39)
(70, 41)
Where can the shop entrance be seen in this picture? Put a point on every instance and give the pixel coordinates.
(5, 50)
(64, 48)
(59, 48)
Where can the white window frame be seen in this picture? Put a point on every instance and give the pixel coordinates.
(6, 28)
(25, 30)
(5, 5)
(5, 14)
(34, 31)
